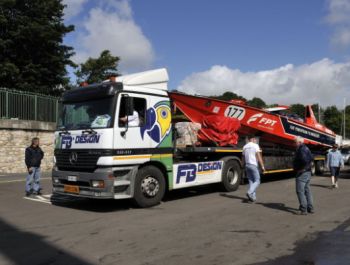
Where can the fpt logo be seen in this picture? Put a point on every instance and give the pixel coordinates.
(254, 117)
(260, 119)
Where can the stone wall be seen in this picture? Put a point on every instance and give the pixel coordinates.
(16, 135)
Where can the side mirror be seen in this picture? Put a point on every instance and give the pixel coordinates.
(129, 106)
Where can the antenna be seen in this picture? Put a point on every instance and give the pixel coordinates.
(344, 119)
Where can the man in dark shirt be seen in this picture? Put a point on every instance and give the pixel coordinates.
(33, 157)
(302, 166)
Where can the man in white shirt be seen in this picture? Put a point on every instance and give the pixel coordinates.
(251, 157)
(133, 120)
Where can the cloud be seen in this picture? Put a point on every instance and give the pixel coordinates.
(73, 8)
(338, 17)
(111, 26)
(323, 82)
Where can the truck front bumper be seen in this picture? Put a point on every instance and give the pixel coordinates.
(117, 183)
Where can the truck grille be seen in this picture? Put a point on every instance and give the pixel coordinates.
(79, 159)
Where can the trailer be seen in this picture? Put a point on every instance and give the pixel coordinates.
(100, 153)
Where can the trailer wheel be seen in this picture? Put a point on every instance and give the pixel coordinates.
(149, 187)
(319, 168)
(313, 168)
(231, 176)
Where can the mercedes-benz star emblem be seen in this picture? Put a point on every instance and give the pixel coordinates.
(73, 158)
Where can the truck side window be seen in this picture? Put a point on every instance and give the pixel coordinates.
(137, 119)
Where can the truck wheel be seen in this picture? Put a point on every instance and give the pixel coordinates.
(319, 169)
(149, 187)
(231, 176)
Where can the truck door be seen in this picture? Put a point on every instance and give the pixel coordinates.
(130, 118)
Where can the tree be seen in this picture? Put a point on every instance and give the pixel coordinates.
(229, 96)
(332, 119)
(298, 109)
(99, 69)
(32, 56)
(257, 103)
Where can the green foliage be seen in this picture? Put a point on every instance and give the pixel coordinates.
(99, 69)
(229, 96)
(333, 118)
(298, 109)
(257, 103)
(32, 56)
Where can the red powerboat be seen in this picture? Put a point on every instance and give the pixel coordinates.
(273, 125)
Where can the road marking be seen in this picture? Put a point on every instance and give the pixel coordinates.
(38, 198)
(49, 199)
(17, 180)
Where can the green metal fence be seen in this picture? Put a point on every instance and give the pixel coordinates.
(23, 105)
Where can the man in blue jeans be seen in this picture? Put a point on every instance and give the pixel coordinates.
(302, 166)
(251, 156)
(33, 157)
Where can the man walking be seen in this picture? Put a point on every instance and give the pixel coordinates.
(33, 157)
(334, 162)
(251, 156)
(302, 165)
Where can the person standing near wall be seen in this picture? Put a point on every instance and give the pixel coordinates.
(33, 157)
(334, 162)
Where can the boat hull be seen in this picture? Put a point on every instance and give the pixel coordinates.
(270, 127)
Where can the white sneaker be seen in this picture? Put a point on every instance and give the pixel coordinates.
(336, 185)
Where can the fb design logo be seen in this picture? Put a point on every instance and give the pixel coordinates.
(187, 172)
(262, 120)
(158, 122)
(66, 142)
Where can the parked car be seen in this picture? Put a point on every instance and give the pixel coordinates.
(346, 155)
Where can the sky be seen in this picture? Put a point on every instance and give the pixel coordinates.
(284, 52)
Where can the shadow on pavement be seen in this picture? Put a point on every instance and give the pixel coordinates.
(321, 248)
(243, 200)
(92, 205)
(111, 205)
(321, 186)
(271, 205)
(20, 247)
(189, 192)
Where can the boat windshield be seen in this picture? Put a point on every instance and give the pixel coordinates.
(97, 113)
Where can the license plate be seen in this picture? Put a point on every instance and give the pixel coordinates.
(72, 178)
(71, 189)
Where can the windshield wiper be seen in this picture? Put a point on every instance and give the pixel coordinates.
(63, 131)
(89, 131)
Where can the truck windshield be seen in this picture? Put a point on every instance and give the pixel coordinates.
(96, 113)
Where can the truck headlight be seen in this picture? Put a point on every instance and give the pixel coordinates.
(98, 184)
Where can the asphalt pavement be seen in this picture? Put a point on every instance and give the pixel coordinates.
(192, 226)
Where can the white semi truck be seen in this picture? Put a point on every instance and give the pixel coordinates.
(100, 155)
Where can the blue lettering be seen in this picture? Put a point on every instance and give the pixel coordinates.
(87, 139)
(200, 167)
(66, 142)
(187, 171)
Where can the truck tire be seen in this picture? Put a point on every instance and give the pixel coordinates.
(149, 187)
(319, 168)
(231, 176)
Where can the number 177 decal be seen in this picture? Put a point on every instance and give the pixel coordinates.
(235, 112)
